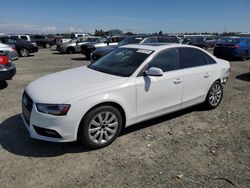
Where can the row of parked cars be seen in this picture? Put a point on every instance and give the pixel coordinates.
(94, 48)
(14, 46)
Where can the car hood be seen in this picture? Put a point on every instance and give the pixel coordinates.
(65, 85)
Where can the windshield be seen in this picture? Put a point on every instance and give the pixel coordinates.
(121, 62)
(130, 40)
(230, 40)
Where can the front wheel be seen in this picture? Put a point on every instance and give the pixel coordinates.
(100, 127)
(214, 96)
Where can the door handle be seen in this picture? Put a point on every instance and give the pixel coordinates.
(177, 81)
(206, 75)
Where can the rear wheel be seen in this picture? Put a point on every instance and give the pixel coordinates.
(24, 52)
(244, 56)
(100, 127)
(214, 95)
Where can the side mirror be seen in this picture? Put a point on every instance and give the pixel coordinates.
(154, 71)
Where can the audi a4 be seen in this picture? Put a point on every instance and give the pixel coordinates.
(131, 84)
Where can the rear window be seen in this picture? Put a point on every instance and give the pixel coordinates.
(230, 40)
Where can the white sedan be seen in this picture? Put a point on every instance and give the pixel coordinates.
(131, 84)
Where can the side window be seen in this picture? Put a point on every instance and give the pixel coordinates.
(24, 37)
(166, 60)
(208, 59)
(191, 57)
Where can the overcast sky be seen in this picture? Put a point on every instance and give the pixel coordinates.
(139, 16)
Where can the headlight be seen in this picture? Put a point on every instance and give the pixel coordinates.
(53, 109)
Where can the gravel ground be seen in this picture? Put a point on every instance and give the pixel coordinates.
(190, 148)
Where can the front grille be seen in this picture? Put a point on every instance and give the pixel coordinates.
(27, 105)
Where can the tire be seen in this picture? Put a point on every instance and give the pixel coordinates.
(47, 45)
(70, 50)
(24, 52)
(98, 135)
(244, 56)
(214, 95)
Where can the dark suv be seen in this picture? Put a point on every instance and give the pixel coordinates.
(42, 41)
(24, 48)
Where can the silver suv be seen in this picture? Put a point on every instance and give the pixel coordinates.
(74, 45)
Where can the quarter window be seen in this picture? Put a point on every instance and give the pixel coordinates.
(208, 59)
(191, 57)
(166, 60)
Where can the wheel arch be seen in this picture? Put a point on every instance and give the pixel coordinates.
(70, 48)
(109, 103)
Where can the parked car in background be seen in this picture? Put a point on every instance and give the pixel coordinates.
(161, 39)
(10, 50)
(101, 51)
(78, 35)
(42, 41)
(200, 41)
(24, 48)
(58, 40)
(233, 47)
(24, 37)
(141, 39)
(7, 68)
(87, 49)
(74, 45)
(131, 84)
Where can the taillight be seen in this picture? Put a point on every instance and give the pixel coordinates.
(237, 46)
(13, 48)
(4, 60)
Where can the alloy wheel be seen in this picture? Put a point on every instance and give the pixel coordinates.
(215, 95)
(24, 52)
(103, 127)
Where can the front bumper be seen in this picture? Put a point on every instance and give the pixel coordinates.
(47, 127)
(7, 72)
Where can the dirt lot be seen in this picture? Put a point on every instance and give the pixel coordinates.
(205, 148)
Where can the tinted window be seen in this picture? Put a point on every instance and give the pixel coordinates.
(191, 57)
(167, 39)
(208, 59)
(24, 37)
(14, 37)
(166, 60)
(230, 40)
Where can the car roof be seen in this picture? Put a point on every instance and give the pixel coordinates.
(156, 46)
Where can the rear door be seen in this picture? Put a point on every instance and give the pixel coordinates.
(197, 75)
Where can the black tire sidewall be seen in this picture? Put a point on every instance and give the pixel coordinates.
(84, 126)
(207, 103)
